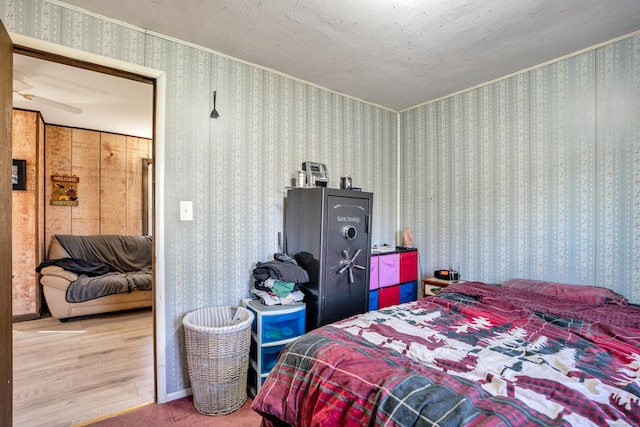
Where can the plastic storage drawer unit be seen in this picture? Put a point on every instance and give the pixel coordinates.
(273, 327)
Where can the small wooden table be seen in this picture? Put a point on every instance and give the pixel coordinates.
(431, 283)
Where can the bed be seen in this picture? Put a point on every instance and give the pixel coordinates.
(475, 354)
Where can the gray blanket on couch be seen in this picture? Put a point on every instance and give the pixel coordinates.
(91, 287)
(128, 258)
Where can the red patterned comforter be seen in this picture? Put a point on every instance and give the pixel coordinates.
(476, 354)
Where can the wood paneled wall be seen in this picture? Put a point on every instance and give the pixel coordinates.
(27, 214)
(110, 189)
(110, 168)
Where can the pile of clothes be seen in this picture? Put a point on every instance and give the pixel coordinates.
(276, 282)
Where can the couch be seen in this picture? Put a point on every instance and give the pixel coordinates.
(86, 275)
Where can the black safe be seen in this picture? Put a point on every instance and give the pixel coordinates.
(328, 232)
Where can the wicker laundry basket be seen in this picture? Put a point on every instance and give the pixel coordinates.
(218, 341)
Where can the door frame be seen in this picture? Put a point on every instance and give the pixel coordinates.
(6, 337)
(159, 99)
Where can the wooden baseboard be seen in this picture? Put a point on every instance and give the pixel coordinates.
(25, 317)
(115, 414)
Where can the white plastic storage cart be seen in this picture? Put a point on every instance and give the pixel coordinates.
(273, 327)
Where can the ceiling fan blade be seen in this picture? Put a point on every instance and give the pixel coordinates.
(45, 101)
(18, 81)
(19, 85)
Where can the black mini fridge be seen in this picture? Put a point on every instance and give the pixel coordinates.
(328, 232)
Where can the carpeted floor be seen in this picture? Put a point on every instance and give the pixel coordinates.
(181, 413)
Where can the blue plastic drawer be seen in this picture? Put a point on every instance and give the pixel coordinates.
(277, 323)
(373, 300)
(408, 292)
(278, 327)
(270, 356)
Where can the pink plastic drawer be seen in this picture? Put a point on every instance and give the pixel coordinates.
(373, 273)
(388, 269)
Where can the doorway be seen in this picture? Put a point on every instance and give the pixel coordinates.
(60, 54)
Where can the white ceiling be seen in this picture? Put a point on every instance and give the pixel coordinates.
(108, 103)
(393, 53)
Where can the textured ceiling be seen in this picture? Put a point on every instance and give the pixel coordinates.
(396, 54)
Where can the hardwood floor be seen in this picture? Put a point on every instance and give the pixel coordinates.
(67, 373)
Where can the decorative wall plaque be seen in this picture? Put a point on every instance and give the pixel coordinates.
(64, 190)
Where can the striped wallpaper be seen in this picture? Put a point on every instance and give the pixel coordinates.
(536, 175)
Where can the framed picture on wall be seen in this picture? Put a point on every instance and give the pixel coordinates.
(19, 174)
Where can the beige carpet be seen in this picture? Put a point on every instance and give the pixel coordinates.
(181, 413)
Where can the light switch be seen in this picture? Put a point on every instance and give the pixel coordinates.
(186, 210)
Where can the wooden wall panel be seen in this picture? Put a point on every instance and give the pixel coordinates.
(24, 214)
(113, 185)
(57, 156)
(110, 189)
(85, 162)
(137, 149)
